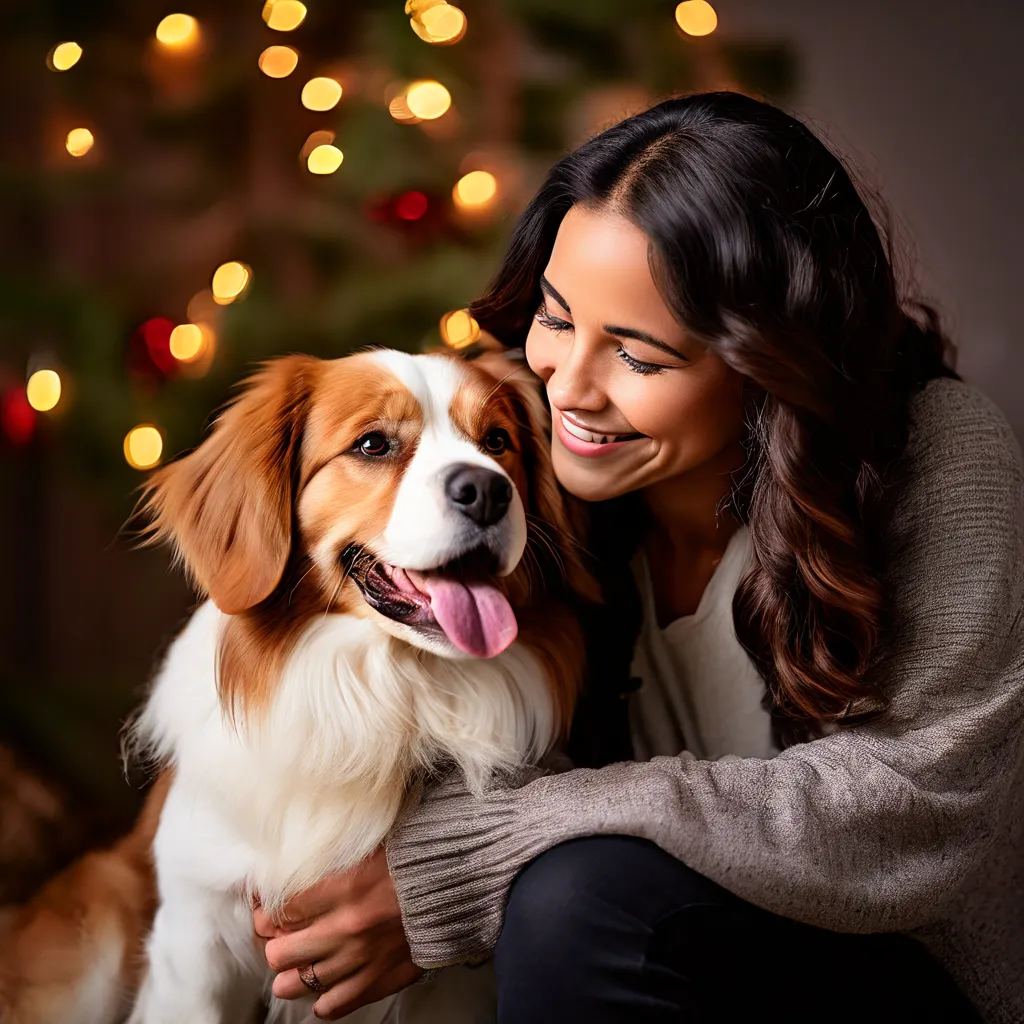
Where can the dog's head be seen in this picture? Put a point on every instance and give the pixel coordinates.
(416, 490)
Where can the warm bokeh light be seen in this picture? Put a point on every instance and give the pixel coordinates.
(64, 56)
(79, 141)
(284, 15)
(696, 17)
(428, 99)
(43, 390)
(186, 342)
(441, 25)
(178, 31)
(321, 94)
(143, 446)
(399, 110)
(319, 138)
(278, 61)
(459, 329)
(417, 7)
(324, 160)
(475, 189)
(229, 281)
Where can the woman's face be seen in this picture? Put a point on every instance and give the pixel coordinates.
(635, 400)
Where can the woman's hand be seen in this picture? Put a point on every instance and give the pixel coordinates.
(350, 927)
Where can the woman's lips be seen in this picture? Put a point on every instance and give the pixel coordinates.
(585, 442)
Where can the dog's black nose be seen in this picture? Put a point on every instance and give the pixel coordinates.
(479, 493)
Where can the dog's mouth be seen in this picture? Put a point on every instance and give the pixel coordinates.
(460, 598)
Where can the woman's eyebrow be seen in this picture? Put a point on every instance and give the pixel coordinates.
(649, 339)
(618, 332)
(548, 287)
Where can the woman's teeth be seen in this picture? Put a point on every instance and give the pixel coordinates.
(586, 435)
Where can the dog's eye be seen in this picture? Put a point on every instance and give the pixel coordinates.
(373, 444)
(497, 441)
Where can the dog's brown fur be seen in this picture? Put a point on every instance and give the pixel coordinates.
(89, 922)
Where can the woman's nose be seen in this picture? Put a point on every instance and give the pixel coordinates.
(575, 382)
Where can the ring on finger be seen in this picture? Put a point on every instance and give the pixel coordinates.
(307, 975)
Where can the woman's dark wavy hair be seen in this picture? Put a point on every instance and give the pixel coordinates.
(764, 251)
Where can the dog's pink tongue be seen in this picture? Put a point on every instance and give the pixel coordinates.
(476, 617)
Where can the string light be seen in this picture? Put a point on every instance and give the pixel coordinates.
(459, 329)
(143, 446)
(178, 31)
(428, 99)
(320, 138)
(79, 141)
(229, 281)
(278, 61)
(43, 390)
(475, 189)
(284, 15)
(325, 159)
(696, 17)
(399, 110)
(321, 94)
(436, 22)
(187, 342)
(64, 56)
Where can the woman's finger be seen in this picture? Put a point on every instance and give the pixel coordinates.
(364, 988)
(288, 984)
(263, 926)
(297, 949)
(326, 895)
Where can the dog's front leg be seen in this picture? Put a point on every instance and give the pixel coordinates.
(202, 964)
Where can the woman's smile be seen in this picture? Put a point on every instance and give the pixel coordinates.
(591, 442)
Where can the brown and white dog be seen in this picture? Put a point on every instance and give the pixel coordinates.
(390, 574)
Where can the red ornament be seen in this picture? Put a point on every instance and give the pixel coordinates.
(157, 335)
(17, 417)
(148, 357)
(411, 205)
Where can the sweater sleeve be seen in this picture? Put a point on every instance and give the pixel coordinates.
(871, 828)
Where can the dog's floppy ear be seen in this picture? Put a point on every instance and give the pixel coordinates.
(227, 505)
(556, 518)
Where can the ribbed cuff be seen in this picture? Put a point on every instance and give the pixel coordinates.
(453, 857)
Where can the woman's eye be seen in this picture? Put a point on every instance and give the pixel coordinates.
(373, 444)
(552, 323)
(644, 369)
(497, 441)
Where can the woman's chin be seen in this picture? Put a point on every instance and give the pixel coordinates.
(597, 484)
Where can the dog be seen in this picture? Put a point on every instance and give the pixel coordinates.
(390, 580)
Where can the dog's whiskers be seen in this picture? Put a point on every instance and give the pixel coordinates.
(291, 593)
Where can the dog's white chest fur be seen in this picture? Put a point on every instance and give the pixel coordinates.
(314, 784)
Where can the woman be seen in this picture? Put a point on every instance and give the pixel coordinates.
(825, 529)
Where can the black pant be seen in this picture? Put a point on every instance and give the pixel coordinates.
(612, 928)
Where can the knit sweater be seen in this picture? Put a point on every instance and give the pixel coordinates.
(913, 823)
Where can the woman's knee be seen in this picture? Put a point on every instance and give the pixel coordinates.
(578, 928)
(607, 885)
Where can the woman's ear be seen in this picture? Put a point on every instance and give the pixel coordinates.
(558, 517)
(227, 506)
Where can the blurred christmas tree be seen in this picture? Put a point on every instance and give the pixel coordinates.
(187, 193)
(353, 170)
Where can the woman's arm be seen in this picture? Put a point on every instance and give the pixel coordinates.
(870, 829)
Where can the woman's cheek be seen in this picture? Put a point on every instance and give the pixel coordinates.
(656, 405)
(538, 358)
